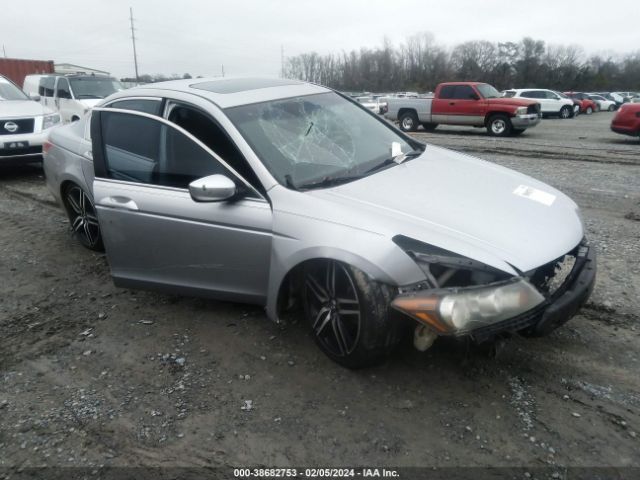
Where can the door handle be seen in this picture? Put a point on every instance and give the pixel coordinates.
(452, 103)
(123, 203)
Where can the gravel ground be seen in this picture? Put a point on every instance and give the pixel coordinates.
(93, 375)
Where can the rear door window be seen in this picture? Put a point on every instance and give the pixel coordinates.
(150, 105)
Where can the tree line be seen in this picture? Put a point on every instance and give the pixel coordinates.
(420, 64)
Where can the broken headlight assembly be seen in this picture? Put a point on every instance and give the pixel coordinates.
(461, 294)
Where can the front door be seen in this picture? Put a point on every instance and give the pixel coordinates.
(155, 234)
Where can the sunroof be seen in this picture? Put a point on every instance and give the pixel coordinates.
(235, 85)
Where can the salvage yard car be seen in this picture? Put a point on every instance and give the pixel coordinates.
(627, 120)
(292, 196)
(550, 102)
(24, 125)
(466, 103)
(71, 95)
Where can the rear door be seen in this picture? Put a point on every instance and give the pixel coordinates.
(155, 234)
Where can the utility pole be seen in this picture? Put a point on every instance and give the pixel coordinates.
(133, 39)
(4, 51)
(223, 69)
(281, 61)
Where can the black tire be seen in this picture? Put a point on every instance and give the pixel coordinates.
(429, 127)
(611, 108)
(82, 217)
(499, 125)
(588, 110)
(408, 122)
(348, 314)
(566, 112)
(517, 131)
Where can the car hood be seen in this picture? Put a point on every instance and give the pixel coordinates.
(459, 203)
(516, 102)
(21, 108)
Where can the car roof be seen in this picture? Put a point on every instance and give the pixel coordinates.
(231, 92)
(528, 89)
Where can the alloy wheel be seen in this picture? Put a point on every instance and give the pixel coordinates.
(83, 218)
(333, 307)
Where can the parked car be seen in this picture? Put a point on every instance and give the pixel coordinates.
(71, 95)
(627, 96)
(24, 125)
(369, 103)
(382, 103)
(602, 103)
(466, 103)
(550, 102)
(587, 105)
(627, 120)
(288, 195)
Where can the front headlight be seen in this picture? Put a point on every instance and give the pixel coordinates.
(50, 120)
(458, 311)
(521, 111)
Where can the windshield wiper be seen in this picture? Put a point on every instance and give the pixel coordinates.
(329, 182)
(397, 160)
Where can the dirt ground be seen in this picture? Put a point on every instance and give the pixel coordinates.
(93, 375)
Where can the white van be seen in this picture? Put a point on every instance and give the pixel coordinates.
(71, 95)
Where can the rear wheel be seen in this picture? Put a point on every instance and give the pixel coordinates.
(565, 112)
(348, 314)
(499, 125)
(408, 122)
(429, 127)
(611, 108)
(82, 217)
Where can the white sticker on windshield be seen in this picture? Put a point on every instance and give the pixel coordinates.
(534, 194)
(396, 149)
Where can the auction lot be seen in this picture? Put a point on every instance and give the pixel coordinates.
(94, 375)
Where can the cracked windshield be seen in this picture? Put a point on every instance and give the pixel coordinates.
(307, 140)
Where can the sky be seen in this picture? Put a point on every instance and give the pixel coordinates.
(246, 36)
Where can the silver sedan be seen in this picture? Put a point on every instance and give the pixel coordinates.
(295, 197)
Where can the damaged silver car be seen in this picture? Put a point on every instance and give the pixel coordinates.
(292, 196)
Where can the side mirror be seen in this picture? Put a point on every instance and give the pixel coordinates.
(35, 97)
(214, 188)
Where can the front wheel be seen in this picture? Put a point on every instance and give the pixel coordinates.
(589, 111)
(408, 122)
(565, 112)
(348, 314)
(611, 108)
(499, 125)
(82, 217)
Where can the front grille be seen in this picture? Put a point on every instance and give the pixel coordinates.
(24, 125)
(535, 108)
(552, 278)
(16, 152)
(512, 325)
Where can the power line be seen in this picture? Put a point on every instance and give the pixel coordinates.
(133, 39)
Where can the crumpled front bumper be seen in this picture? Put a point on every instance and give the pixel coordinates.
(555, 310)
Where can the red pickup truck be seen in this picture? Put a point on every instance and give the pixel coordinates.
(466, 103)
